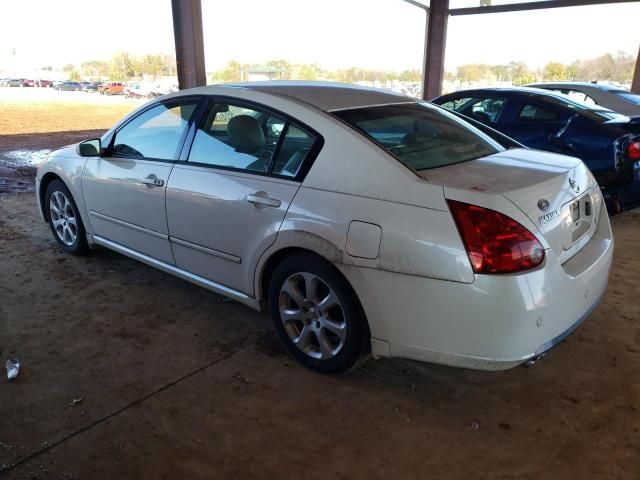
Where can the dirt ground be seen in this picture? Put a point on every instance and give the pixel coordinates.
(45, 110)
(130, 373)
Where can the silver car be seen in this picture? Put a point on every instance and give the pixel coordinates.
(363, 221)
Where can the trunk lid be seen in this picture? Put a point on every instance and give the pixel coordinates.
(557, 193)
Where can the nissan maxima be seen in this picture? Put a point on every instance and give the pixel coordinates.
(362, 221)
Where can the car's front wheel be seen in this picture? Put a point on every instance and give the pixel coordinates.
(64, 219)
(317, 315)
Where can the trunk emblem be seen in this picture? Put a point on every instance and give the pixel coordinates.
(574, 185)
(548, 217)
(543, 204)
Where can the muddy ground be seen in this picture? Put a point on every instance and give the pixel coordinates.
(130, 373)
(19, 154)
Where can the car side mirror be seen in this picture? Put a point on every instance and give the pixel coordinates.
(89, 148)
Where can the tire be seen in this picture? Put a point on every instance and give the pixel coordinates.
(64, 219)
(317, 315)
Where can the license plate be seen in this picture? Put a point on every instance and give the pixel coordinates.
(581, 212)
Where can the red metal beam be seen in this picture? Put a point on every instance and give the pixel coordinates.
(436, 37)
(517, 7)
(635, 84)
(187, 30)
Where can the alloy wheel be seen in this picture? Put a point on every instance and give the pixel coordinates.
(63, 218)
(312, 315)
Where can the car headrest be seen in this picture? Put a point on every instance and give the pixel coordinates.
(245, 134)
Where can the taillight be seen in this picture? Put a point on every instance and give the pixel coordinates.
(633, 151)
(495, 243)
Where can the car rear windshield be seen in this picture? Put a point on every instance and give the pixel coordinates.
(630, 97)
(419, 135)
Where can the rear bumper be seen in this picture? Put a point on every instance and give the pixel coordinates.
(544, 348)
(494, 323)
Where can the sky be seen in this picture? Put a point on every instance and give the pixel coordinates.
(380, 34)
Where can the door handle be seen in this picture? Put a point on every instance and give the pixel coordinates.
(262, 198)
(153, 181)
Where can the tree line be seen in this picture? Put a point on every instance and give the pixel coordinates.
(616, 68)
(235, 71)
(124, 66)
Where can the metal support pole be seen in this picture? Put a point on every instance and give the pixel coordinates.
(635, 84)
(187, 30)
(433, 68)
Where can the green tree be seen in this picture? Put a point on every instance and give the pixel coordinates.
(502, 73)
(231, 73)
(68, 68)
(95, 68)
(474, 72)
(554, 71)
(151, 65)
(121, 67)
(306, 72)
(284, 68)
(410, 76)
(74, 75)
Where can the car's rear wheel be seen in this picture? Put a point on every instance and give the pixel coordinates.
(64, 219)
(317, 315)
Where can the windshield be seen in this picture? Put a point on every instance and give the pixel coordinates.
(419, 135)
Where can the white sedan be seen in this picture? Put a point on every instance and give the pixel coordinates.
(363, 221)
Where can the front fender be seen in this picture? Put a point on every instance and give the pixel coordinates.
(67, 165)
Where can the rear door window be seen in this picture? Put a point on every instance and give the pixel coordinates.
(485, 110)
(537, 113)
(233, 136)
(255, 140)
(579, 96)
(294, 148)
(457, 103)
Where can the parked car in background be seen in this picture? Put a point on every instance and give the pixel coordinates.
(608, 142)
(133, 90)
(13, 82)
(90, 86)
(360, 219)
(111, 88)
(68, 86)
(608, 96)
(42, 83)
(28, 82)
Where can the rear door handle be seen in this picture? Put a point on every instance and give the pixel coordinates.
(262, 198)
(153, 181)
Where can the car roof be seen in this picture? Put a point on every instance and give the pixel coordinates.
(600, 86)
(509, 90)
(326, 96)
(526, 90)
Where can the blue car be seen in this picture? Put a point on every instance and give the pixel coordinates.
(607, 142)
